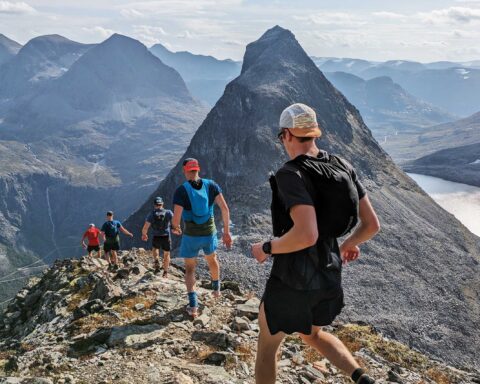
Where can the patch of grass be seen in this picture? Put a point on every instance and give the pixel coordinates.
(126, 307)
(78, 297)
(204, 351)
(95, 321)
(440, 377)
(356, 337)
(25, 347)
(311, 355)
(245, 352)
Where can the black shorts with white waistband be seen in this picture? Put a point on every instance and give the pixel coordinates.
(290, 310)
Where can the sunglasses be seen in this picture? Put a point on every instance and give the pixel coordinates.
(280, 136)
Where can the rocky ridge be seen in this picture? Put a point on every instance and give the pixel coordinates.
(79, 323)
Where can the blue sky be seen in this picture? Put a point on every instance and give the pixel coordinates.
(424, 30)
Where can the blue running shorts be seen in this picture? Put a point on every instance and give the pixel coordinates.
(192, 245)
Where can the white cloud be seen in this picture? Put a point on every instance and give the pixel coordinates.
(15, 8)
(331, 18)
(104, 33)
(186, 35)
(388, 15)
(148, 34)
(462, 15)
(132, 13)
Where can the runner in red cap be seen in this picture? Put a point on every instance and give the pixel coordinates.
(193, 201)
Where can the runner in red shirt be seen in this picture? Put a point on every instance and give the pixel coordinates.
(92, 234)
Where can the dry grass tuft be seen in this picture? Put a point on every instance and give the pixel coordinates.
(126, 307)
(440, 377)
(204, 351)
(311, 355)
(356, 337)
(244, 352)
(78, 297)
(95, 321)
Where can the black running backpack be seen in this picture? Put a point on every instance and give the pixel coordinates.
(159, 220)
(333, 192)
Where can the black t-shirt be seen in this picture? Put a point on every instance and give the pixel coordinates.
(299, 269)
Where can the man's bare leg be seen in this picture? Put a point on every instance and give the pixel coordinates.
(113, 257)
(332, 348)
(214, 268)
(156, 261)
(190, 265)
(267, 349)
(166, 262)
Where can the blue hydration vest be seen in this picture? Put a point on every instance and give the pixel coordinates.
(201, 210)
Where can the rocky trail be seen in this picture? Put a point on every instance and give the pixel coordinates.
(79, 323)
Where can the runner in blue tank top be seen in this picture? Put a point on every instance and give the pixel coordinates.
(193, 202)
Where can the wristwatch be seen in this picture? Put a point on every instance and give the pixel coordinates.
(267, 247)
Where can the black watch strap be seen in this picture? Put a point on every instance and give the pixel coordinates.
(267, 247)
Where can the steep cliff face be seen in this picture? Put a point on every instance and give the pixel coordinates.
(404, 282)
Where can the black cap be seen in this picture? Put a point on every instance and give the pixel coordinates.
(110, 213)
(158, 201)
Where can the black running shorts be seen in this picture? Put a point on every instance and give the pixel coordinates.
(161, 242)
(111, 244)
(95, 248)
(289, 310)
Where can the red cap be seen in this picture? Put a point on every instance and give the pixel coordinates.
(191, 165)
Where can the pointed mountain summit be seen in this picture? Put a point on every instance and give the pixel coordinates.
(8, 48)
(41, 59)
(117, 69)
(403, 284)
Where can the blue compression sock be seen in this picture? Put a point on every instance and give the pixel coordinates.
(216, 285)
(192, 299)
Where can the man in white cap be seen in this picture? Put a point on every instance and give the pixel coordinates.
(316, 199)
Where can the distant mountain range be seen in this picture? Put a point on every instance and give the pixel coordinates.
(205, 76)
(386, 106)
(403, 282)
(410, 145)
(85, 129)
(451, 86)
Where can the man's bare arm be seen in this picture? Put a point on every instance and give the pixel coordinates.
(177, 216)
(303, 234)
(126, 232)
(145, 228)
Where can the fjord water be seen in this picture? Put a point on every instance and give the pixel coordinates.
(461, 200)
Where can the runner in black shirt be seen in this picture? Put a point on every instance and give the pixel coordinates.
(304, 291)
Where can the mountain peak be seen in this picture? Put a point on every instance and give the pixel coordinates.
(8, 48)
(9, 43)
(276, 46)
(50, 40)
